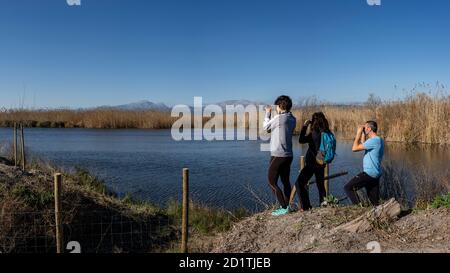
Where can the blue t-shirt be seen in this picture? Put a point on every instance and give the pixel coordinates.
(373, 154)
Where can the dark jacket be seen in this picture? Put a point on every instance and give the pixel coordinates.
(313, 140)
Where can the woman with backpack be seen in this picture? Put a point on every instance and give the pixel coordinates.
(317, 156)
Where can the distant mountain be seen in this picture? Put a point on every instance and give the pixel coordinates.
(140, 106)
(223, 104)
(145, 105)
(148, 105)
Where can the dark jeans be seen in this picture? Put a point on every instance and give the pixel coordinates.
(280, 167)
(302, 184)
(363, 180)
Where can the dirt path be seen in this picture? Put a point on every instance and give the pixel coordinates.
(423, 231)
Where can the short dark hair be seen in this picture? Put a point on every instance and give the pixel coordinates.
(373, 125)
(284, 102)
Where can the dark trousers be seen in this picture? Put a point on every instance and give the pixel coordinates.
(280, 167)
(363, 180)
(302, 184)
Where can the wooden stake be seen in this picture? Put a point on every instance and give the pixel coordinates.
(23, 147)
(15, 144)
(185, 220)
(327, 179)
(58, 211)
(327, 182)
(294, 188)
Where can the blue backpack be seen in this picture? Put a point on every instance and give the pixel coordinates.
(327, 150)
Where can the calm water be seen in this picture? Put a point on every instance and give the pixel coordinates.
(148, 163)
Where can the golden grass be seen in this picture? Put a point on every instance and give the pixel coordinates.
(419, 118)
(98, 118)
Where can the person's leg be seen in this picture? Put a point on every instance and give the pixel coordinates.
(285, 173)
(319, 173)
(272, 158)
(373, 191)
(274, 173)
(302, 187)
(355, 184)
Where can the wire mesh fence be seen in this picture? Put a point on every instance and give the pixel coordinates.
(88, 231)
(26, 232)
(80, 222)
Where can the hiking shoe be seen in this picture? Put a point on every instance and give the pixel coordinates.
(280, 211)
(276, 211)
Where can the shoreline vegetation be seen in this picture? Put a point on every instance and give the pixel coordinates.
(97, 218)
(418, 118)
(93, 213)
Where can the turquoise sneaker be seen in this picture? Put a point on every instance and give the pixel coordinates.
(276, 211)
(280, 211)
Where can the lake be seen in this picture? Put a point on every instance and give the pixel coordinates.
(148, 163)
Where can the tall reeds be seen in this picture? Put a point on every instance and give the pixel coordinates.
(98, 118)
(418, 118)
(412, 187)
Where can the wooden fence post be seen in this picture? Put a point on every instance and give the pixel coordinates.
(58, 211)
(23, 147)
(185, 220)
(327, 182)
(15, 144)
(294, 188)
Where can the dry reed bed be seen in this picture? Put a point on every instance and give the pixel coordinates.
(98, 118)
(419, 118)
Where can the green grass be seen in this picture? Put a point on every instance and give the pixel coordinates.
(140, 205)
(442, 201)
(91, 182)
(202, 219)
(330, 201)
(33, 198)
(206, 220)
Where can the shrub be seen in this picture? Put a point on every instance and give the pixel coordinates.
(442, 201)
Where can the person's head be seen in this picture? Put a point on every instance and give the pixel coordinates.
(319, 122)
(370, 128)
(283, 103)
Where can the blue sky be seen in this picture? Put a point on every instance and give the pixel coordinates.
(117, 51)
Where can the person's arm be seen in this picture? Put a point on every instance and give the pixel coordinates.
(363, 137)
(269, 124)
(357, 145)
(303, 137)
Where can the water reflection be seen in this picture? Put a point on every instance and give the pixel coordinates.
(148, 163)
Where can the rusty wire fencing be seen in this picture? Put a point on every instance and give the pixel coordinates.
(104, 231)
(93, 228)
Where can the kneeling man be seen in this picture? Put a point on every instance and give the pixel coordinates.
(368, 141)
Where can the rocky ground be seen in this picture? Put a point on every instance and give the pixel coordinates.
(315, 231)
